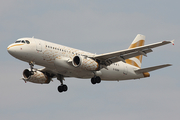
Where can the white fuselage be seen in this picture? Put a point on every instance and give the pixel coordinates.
(57, 58)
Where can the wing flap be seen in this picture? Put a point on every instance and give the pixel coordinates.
(149, 69)
(137, 53)
(126, 56)
(51, 73)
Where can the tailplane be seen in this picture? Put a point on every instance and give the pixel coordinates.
(149, 69)
(145, 71)
(138, 41)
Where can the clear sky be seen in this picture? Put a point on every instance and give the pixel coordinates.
(97, 26)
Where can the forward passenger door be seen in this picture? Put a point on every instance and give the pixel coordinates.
(38, 45)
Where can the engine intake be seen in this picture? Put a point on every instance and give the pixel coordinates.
(77, 61)
(36, 77)
(85, 63)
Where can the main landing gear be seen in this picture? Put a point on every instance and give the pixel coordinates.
(95, 79)
(62, 87)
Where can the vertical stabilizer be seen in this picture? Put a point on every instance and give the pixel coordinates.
(138, 41)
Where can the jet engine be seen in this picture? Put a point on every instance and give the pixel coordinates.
(35, 76)
(85, 63)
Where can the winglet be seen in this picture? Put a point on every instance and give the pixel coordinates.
(172, 42)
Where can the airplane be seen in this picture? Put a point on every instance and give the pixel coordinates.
(60, 61)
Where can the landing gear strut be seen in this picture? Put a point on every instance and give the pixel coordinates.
(95, 79)
(62, 87)
(31, 67)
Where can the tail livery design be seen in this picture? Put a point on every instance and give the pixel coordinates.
(138, 41)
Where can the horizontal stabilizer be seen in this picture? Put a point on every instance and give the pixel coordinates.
(149, 69)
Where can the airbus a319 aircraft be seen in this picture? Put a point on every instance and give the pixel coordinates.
(61, 61)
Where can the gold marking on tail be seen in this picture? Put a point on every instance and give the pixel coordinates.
(137, 44)
(131, 62)
(134, 45)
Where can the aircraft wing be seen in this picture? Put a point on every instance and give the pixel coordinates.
(49, 72)
(109, 58)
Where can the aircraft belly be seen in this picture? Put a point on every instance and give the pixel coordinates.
(66, 69)
(122, 72)
(74, 73)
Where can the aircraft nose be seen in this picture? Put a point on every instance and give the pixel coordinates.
(10, 49)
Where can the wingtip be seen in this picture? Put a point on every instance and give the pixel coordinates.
(168, 64)
(172, 42)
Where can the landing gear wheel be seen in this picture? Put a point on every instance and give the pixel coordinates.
(95, 80)
(98, 79)
(62, 88)
(65, 88)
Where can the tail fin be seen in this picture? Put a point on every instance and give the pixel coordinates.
(138, 41)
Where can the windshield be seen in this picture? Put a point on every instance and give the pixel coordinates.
(18, 41)
(23, 41)
(27, 41)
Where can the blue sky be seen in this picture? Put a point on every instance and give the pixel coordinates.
(97, 26)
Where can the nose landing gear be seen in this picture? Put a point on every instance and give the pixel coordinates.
(31, 67)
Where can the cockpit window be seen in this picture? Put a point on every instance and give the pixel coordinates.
(23, 41)
(18, 41)
(27, 42)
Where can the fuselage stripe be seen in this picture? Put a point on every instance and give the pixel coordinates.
(14, 46)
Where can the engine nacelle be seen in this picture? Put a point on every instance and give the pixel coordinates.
(35, 77)
(85, 63)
